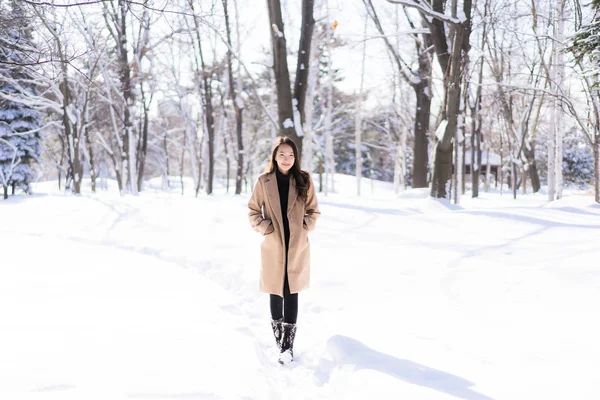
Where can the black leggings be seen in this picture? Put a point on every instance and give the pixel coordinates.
(286, 306)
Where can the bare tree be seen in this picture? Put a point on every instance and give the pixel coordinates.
(476, 113)
(291, 108)
(207, 101)
(238, 106)
(451, 63)
(420, 81)
(359, 112)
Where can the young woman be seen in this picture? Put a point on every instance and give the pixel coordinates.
(284, 208)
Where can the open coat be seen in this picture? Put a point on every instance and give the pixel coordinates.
(265, 216)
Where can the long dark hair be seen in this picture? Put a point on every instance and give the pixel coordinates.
(301, 176)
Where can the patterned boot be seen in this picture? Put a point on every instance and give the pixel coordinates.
(277, 330)
(286, 354)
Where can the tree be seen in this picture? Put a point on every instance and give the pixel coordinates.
(20, 124)
(450, 38)
(116, 17)
(585, 46)
(291, 108)
(420, 82)
(206, 77)
(238, 106)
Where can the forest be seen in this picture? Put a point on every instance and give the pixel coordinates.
(454, 96)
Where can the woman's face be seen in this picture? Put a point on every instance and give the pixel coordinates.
(285, 158)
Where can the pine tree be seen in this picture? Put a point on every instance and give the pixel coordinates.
(18, 150)
(586, 47)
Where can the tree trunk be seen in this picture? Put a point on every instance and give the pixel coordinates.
(307, 147)
(477, 117)
(302, 67)
(438, 36)
(237, 106)
(206, 95)
(400, 165)
(442, 169)
(421, 132)
(280, 67)
(461, 133)
(534, 175)
(477, 120)
(446, 132)
(71, 133)
(422, 114)
(62, 159)
(182, 165)
(93, 169)
(285, 108)
(127, 136)
(552, 146)
(560, 76)
(199, 183)
(596, 111)
(358, 144)
(358, 117)
(143, 146)
(488, 171)
(597, 166)
(329, 159)
(226, 150)
(165, 143)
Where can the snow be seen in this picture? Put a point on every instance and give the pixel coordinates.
(156, 297)
(288, 123)
(441, 130)
(239, 101)
(494, 159)
(276, 30)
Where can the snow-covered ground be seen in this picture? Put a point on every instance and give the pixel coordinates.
(155, 297)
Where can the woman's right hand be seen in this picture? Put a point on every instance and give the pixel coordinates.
(269, 229)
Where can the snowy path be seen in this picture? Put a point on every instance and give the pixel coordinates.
(155, 297)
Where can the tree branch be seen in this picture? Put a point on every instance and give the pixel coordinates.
(427, 10)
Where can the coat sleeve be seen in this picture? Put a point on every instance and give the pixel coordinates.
(312, 212)
(255, 210)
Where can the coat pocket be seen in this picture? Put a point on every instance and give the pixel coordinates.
(270, 229)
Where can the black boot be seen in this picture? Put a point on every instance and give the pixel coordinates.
(277, 330)
(287, 343)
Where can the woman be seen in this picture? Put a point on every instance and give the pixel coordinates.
(284, 208)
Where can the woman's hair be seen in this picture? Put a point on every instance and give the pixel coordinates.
(301, 177)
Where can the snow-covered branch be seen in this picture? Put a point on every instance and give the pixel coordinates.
(427, 10)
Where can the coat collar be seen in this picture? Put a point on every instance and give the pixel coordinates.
(273, 193)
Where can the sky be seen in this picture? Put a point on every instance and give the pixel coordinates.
(156, 297)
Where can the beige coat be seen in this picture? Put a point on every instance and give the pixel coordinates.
(265, 217)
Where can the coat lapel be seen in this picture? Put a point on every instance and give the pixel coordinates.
(273, 195)
(293, 194)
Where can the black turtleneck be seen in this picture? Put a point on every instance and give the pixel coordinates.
(283, 185)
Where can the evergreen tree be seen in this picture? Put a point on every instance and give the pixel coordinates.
(586, 47)
(18, 150)
(578, 159)
(587, 42)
